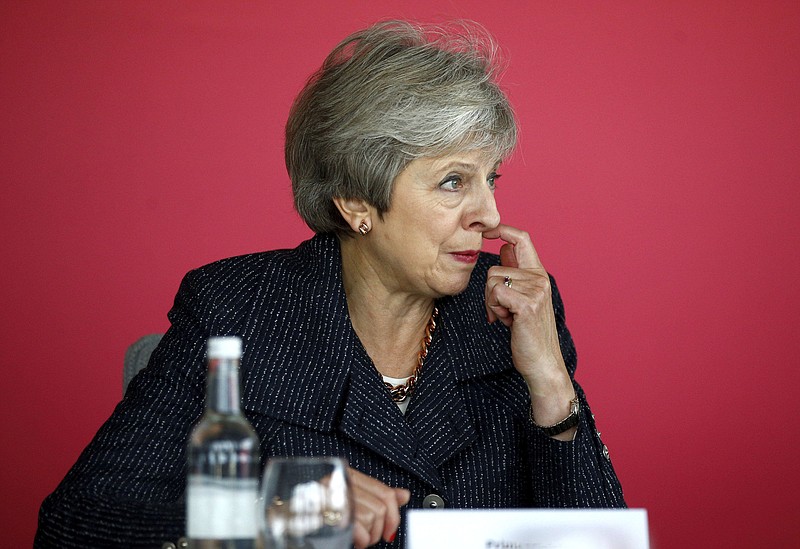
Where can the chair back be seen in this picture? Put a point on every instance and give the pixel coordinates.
(137, 356)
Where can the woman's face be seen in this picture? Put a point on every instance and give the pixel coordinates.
(428, 242)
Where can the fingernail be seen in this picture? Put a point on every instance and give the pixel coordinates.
(391, 538)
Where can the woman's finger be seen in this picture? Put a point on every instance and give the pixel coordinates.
(496, 298)
(361, 536)
(369, 513)
(524, 254)
(377, 508)
(510, 291)
(507, 257)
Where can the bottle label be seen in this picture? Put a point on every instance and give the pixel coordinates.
(221, 508)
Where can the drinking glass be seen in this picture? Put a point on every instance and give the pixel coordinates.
(306, 503)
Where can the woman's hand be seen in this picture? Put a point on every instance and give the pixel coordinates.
(518, 294)
(377, 508)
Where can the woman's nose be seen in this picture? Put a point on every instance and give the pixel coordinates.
(484, 214)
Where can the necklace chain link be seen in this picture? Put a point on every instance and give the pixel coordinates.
(399, 393)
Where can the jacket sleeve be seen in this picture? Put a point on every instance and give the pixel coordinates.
(126, 489)
(576, 473)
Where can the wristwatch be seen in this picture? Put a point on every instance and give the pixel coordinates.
(567, 423)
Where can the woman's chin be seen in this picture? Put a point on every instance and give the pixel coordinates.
(454, 286)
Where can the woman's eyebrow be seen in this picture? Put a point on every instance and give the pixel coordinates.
(461, 165)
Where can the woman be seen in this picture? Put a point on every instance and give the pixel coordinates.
(443, 374)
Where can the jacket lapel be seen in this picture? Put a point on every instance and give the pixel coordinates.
(438, 424)
(464, 346)
(438, 413)
(373, 420)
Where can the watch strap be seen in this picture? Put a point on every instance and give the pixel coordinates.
(567, 423)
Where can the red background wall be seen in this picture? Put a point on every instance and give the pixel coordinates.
(658, 173)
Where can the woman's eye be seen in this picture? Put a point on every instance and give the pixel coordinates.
(451, 184)
(492, 180)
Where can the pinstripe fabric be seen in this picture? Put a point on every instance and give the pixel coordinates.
(310, 389)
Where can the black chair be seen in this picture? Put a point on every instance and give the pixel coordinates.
(137, 356)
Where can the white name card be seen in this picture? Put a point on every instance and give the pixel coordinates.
(528, 529)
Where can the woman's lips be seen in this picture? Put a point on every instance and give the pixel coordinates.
(466, 256)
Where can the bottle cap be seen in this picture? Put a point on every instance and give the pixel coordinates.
(224, 347)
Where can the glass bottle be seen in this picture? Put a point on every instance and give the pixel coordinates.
(223, 457)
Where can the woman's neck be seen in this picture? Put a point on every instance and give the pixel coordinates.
(389, 323)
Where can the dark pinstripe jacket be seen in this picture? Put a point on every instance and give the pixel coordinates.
(309, 388)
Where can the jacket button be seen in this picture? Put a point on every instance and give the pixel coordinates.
(168, 545)
(433, 501)
(605, 453)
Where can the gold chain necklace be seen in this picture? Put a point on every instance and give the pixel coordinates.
(399, 393)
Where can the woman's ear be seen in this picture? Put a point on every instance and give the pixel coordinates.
(356, 213)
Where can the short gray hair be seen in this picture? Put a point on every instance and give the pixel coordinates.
(385, 96)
